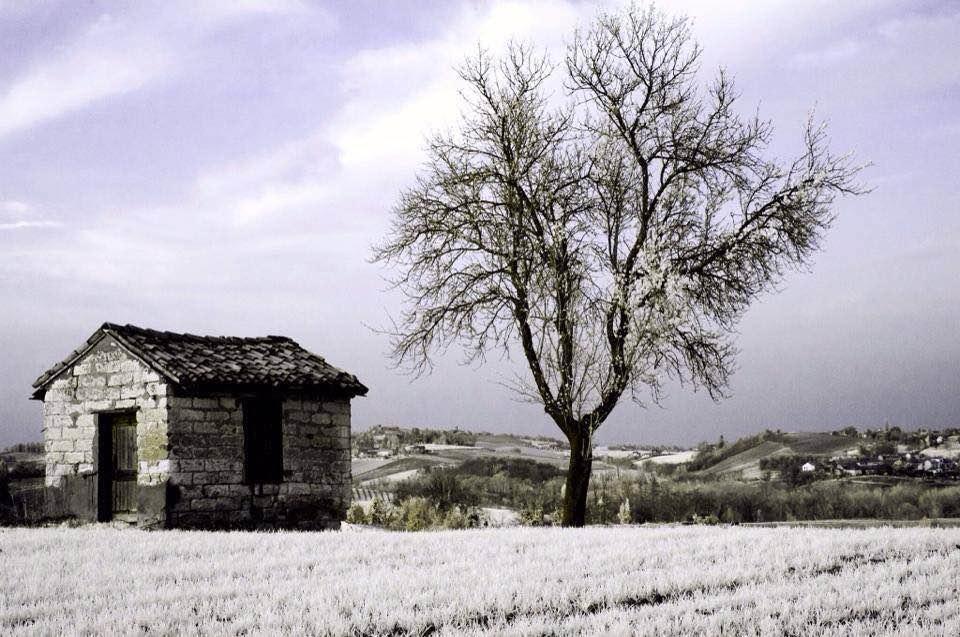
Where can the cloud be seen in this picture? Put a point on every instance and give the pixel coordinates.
(831, 54)
(16, 225)
(396, 95)
(17, 215)
(115, 55)
(287, 178)
(104, 62)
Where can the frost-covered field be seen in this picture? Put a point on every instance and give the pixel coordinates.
(661, 580)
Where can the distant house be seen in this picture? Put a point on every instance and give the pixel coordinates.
(387, 440)
(174, 430)
(808, 467)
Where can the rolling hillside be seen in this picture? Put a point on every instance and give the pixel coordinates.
(744, 456)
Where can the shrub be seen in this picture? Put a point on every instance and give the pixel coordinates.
(356, 515)
(417, 514)
(382, 514)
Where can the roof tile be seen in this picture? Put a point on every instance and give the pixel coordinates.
(197, 361)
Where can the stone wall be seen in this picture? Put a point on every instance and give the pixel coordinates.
(107, 378)
(207, 487)
(190, 450)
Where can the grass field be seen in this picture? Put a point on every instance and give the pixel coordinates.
(625, 580)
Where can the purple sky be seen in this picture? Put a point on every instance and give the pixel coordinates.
(226, 171)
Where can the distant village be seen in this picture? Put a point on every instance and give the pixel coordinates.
(924, 453)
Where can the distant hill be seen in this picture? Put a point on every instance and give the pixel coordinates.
(744, 455)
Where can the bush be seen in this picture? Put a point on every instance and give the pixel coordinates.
(417, 514)
(356, 515)
(382, 514)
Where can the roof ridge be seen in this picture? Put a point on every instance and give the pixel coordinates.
(191, 359)
(116, 327)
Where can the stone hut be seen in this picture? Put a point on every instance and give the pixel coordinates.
(175, 430)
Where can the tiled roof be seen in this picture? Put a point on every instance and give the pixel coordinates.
(220, 361)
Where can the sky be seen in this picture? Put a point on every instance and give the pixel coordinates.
(225, 167)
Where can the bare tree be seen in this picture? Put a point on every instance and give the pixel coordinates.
(615, 239)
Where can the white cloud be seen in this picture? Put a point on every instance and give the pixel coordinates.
(17, 225)
(17, 215)
(103, 63)
(115, 55)
(397, 95)
(831, 54)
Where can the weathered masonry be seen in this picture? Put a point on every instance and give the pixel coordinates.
(176, 430)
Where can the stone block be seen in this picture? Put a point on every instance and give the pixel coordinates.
(337, 407)
(214, 504)
(119, 380)
(267, 489)
(86, 420)
(191, 465)
(58, 421)
(157, 388)
(62, 383)
(62, 469)
(219, 464)
(59, 395)
(229, 477)
(192, 415)
(107, 367)
(294, 488)
(204, 477)
(74, 433)
(131, 392)
(92, 380)
(74, 457)
(225, 490)
(54, 408)
(152, 415)
(96, 405)
(321, 418)
(206, 428)
(61, 445)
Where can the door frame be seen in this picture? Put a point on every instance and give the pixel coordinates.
(103, 422)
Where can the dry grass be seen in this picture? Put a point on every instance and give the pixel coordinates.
(654, 580)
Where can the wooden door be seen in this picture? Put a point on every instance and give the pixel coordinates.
(118, 464)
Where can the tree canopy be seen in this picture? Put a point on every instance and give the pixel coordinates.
(614, 234)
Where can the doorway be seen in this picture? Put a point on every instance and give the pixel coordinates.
(117, 466)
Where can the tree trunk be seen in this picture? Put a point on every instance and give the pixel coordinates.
(578, 479)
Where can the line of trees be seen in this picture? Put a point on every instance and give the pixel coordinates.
(536, 492)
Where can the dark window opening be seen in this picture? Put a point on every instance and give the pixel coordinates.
(263, 440)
